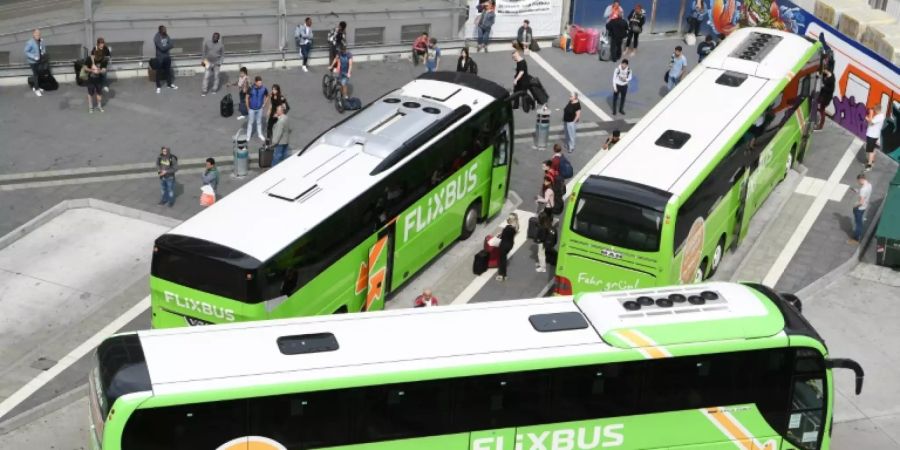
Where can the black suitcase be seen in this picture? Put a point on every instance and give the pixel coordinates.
(45, 81)
(537, 91)
(532, 232)
(480, 263)
(226, 106)
(265, 157)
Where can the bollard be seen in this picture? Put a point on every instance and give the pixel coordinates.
(241, 162)
(542, 128)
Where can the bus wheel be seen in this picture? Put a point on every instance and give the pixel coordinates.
(699, 275)
(718, 253)
(470, 220)
(341, 310)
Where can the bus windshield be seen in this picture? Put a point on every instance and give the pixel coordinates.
(617, 222)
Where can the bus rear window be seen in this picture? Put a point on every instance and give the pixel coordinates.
(616, 222)
(198, 271)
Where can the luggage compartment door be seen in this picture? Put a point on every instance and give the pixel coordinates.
(379, 269)
(500, 171)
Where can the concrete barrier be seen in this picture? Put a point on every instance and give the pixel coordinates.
(889, 48)
(830, 11)
(878, 31)
(854, 23)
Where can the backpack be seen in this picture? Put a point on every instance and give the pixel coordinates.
(565, 168)
(559, 190)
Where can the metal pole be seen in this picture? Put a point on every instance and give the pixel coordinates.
(282, 24)
(88, 23)
(653, 17)
(681, 15)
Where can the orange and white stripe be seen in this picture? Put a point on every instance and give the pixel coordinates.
(735, 430)
(643, 344)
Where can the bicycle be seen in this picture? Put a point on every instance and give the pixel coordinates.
(330, 86)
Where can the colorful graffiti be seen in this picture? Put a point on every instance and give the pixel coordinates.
(850, 114)
(728, 15)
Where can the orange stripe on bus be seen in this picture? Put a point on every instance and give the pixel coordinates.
(645, 345)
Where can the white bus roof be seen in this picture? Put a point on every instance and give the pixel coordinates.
(247, 354)
(709, 112)
(272, 210)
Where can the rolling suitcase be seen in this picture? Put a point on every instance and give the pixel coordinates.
(593, 40)
(226, 106)
(580, 42)
(532, 232)
(265, 157)
(45, 81)
(493, 253)
(480, 263)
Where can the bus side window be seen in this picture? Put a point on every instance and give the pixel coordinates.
(304, 420)
(806, 419)
(501, 148)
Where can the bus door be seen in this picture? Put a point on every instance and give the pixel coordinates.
(500, 171)
(381, 261)
(740, 217)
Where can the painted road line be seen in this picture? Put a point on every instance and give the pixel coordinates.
(571, 87)
(65, 362)
(806, 223)
(813, 186)
(521, 238)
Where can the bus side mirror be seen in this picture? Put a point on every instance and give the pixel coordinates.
(792, 300)
(843, 363)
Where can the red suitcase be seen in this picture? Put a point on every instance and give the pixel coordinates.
(493, 252)
(582, 41)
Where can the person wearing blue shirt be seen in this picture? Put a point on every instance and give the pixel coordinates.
(432, 56)
(343, 66)
(35, 51)
(695, 18)
(257, 98)
(677, 68)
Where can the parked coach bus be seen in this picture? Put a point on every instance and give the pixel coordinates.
(698, 367)
(349, 219)
(682, 186)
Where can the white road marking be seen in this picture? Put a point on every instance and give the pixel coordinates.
(806, 223)
(814, 186)
(571, 87)
(521, 238)
(65, 362)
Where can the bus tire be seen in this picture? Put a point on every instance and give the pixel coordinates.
(341, 310)
(718, 254)
(470, 220)
(700, 275)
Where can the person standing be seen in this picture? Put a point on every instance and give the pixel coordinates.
(163, 44)
(507, 240)
(243, 85)
(465, 63)
(695, 18)
(281, 135)
(636, 20)
(35, 53)
(875, 119)
(525, 35)
(864, 192)
(433, 56)
(677, 68)
(257, 99)
(210, 175)
(546, 240)
(705, 48)
(483, 25)
(213, 54)
(303, 37)
(613, 11)
(102, 56)
(571, 116)
(94, 84)
(420, 48)
(425, 300)
(337, 39)
(545, 200)
(621, 77)
(166, 166)
(276, 99)
(617, 29)
(826, 94)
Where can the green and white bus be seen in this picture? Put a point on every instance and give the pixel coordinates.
(708, 366)
(681, 187)
(352, 217)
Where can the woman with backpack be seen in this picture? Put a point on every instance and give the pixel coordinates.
(546, 199)
(466, 63)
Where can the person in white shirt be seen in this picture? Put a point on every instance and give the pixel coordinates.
(859, 210)
(621, 78)
(875, 119)
(303, 37)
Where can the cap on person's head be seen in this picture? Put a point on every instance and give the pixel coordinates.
(211, 161)
(616, 133)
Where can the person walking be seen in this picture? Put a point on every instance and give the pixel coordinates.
(276, 99)
(303, 37)
(425, 300)
(420, 48)
(166, 166)
(102, 56)
(507, 240)
(257, 99)
(636, 20)
(571, 117)
(617, 29)
(546, 239)
(164, 44)
(243, 85)
(337, 39)
(525, 34)
(483, 24)
(213, 53)
(520, 78)
(433, 56)
(677, 68)
(864, 192)
(210, 175)
(705, 48)
(281, 135)
(94, 83)
(465, 63)
(621, 77)
(35, 54)
(826, 94)
(875, 119)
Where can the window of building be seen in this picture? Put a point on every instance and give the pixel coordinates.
(128, 49)
(369, 36)
(242, 43)
(409, 33)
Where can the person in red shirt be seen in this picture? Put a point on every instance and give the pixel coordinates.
(549, 171)
(420, 48)
(425, 300)
(556, 158)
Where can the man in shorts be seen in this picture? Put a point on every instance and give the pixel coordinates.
(875, 119)
(343, 67)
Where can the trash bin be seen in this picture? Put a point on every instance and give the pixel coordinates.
(887, 235)
(542, 128)
(241, 154)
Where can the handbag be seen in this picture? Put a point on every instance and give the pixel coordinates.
(83, 75)
(636, 28)
(207, 195)
(666, 76)
(533, 46)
